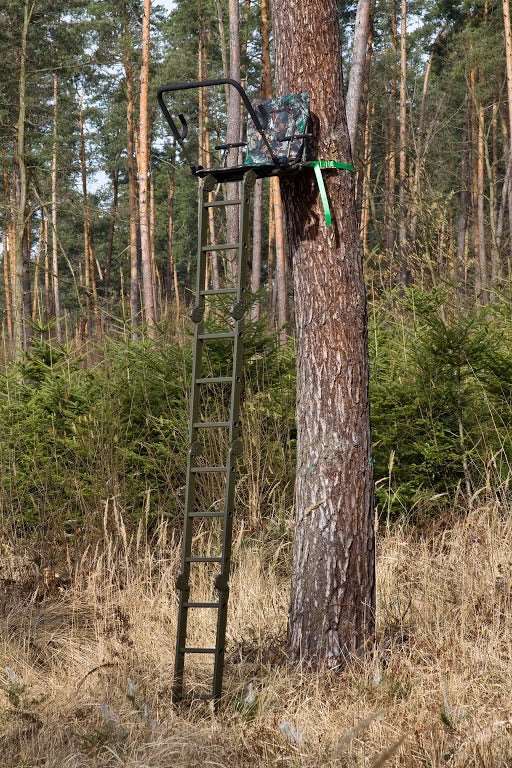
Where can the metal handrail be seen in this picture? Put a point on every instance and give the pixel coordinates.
(187, 86)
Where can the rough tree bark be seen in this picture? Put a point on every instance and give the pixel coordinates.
(333, 586)
(143, 166)
(357, 71)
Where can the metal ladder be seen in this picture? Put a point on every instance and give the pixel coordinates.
(202, 337)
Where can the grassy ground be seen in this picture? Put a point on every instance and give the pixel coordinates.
(86, 659)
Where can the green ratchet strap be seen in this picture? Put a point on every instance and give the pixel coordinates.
(317, 166)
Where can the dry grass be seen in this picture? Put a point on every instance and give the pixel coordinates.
(85, 667)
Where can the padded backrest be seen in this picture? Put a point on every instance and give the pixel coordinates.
(282, 118)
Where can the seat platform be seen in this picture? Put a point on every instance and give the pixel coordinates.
(237, 172)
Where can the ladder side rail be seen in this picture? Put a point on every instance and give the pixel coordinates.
(234, 433)
(184, 577)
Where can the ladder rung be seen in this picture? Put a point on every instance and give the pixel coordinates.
(220, 335)
(210, 424)
(222, 203)
(205, 514)
(221, 247)
(201, 605)
(198, 650)
(201, 559)
(218, 291)
(216, 380)
(202, 470)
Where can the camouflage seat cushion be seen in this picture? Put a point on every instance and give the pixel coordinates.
(281, 119)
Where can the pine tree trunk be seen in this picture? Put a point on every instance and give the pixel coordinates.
(333, 586)
(172, 275)
(55, 252)
(367, 178)
(39, 257)
(357, 71)
(402, 229)
(133, 204)
(111, 228)
(281, 266)
(390, 160)
(257, 227)
(508, 57)
(7, 282)
(420, 150)
(233, 128)
(19, 320)
(482, 257)
(89, 265)
(143, 167)
(266, 90)
(462, 216)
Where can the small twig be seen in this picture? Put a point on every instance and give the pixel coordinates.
(95, 669)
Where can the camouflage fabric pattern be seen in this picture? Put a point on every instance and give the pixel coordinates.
(281, 119)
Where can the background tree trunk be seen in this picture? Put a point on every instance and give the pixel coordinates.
(21, 191)
(55, 250)
(402, 229)
(357, 71)
(133, 204)
(143, 167)
(333, 601)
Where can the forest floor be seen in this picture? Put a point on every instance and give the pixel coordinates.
(86, 661)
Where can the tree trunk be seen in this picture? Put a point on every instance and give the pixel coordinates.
(7, 282)
(462, 217)
(233, 129)
(390, 160)
(89, 261)
(333, 586)
(223, 46)
(508, 56)
(281, 266)
(21, 191)
(39, 258)
(172, 274)
(133, 205)
(357, 71)
(420, 151)
(257, 227)
(482, 258)
(367, 176)
(403, 145)
(111, 228)
(55, 250)
(143, 166)
(266, 90)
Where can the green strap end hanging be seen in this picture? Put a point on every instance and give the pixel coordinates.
(317, 166)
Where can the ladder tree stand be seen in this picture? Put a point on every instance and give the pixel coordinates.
(277, 144)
